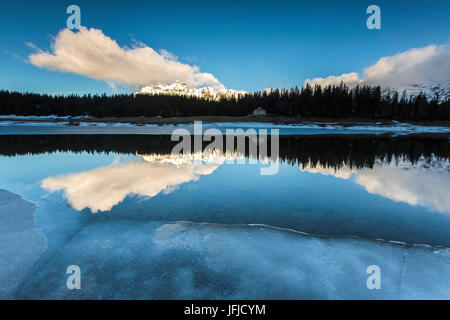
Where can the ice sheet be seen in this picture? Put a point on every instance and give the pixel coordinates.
(21, 244)
(157, 260)
(63, 127)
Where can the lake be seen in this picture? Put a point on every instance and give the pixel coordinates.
(143, 223)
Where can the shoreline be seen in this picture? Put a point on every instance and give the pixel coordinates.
(17, 125)
(277, 120)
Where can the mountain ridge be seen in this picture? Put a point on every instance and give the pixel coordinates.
(431, 91)
(438, 91)
(181, 89)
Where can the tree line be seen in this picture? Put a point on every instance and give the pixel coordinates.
(337, 101)
(327, 151)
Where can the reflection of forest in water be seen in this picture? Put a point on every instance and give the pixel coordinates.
(366, 186)
(326, 151)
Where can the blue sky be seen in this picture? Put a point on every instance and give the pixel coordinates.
(249, 46)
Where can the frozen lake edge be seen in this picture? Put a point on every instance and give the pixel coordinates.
(33, 125)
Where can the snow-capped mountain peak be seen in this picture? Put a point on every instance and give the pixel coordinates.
(181, 89)
(432, 90)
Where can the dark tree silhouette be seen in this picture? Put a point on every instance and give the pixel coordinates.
(337, 101)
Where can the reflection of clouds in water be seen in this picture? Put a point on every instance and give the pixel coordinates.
(102, 188)
(419, 184)
(426, 184)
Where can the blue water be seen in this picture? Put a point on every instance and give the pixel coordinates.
(143, 228)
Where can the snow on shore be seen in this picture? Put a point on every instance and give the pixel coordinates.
(27, 125)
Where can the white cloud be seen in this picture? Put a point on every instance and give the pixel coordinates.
(90, 53)
(350, 79)
(103, 188)
(402, 70)
(402, 182)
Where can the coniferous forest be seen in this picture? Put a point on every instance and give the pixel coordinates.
(327, 151)
(337, 101)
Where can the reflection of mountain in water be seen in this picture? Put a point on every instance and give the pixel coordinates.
(329, 151)
(239, 231)
(424, 183)
(102, 188)
(414, 171)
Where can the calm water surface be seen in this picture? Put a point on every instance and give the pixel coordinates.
(142, 223)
